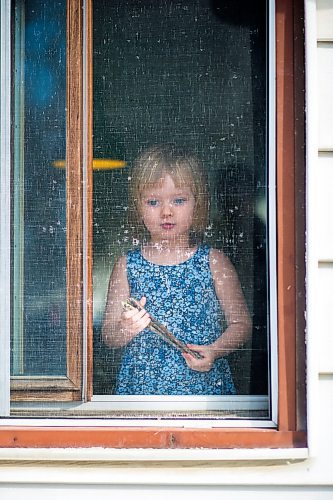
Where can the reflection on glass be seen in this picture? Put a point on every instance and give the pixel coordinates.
(191, 74)
(39, 189)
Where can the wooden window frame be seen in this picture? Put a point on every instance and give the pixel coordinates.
(291, 428)
(70, 387)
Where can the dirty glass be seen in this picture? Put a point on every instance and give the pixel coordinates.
(38, 343)
(193, 74)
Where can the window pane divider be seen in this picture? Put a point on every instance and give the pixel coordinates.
(74, 162)
(87, 319)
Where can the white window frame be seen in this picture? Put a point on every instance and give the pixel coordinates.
(5, 155)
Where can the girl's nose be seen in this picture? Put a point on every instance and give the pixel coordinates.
(166, 209)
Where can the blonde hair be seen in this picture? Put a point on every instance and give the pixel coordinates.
(184, 169)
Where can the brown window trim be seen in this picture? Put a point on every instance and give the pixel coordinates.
(69, 388)
(148, 437)
(291, 431)
(44, 389)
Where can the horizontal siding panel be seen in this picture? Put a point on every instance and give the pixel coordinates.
(325, 19)
(325, 317)
(125, 492)
(325, 95)
(325, 207)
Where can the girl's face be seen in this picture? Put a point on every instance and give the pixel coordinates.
(167, 211)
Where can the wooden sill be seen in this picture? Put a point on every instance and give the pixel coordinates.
(44, 389)
(153, 438)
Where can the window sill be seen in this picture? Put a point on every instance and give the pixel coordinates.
(149, 411)
(82, 455)
(142, 437)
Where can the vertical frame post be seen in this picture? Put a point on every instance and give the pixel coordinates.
(5, 155)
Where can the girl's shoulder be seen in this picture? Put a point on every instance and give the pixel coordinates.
(219, 262)
(119, 265)
(215, 253)
(124, 264)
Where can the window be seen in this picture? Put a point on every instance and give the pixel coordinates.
(172, 73)
(57, 358)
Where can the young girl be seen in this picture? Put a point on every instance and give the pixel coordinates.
(190, 288)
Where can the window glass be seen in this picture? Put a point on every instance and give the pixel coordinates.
(193, 75)
(38, 343)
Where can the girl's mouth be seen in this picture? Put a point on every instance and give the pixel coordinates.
(167, 226)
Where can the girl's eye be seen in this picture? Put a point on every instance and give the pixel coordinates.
(179, 201)
(152, 203)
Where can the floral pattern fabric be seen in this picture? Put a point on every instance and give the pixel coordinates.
(183, 298)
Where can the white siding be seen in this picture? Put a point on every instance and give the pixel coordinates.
(325, 310)
(325, 79)
(324, 184)
(324, 20)
(139, 492)
(310, 478)
(325, 206)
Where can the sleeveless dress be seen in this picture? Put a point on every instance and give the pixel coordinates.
(183, 298)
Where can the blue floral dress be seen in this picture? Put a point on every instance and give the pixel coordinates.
(183, 298)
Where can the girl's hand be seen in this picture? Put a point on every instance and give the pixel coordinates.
(200, 365)
(133, 322)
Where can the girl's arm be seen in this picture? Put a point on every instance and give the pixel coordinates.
(230, 295)
(119, 326)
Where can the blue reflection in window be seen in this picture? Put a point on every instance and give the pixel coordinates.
(39, 343)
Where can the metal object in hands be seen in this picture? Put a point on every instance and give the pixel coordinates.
(157, 327)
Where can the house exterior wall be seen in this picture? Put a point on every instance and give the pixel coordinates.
(237, 473)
